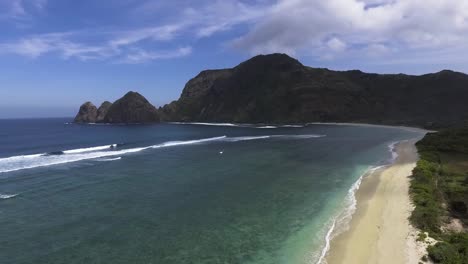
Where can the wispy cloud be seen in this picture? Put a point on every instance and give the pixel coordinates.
(20, 10)
(219, 16)
(120, 46)
(138, 56)
(139, 44)
(38, 45)
(326, 30)
(158, 33)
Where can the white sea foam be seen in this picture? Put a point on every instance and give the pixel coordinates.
(110, 159)
(41, 160)
(306, 136)
(237, 125)
(235, 139)
(81, 150)
(205, 124)
(16, 163)
(343, 219)
(292, 126)
(187, 142)
(7, 196)
(327, 243)
(392, 147)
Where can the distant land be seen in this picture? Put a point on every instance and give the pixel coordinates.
(131, 108)
(276, 88)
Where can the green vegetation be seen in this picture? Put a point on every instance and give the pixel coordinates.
(439, 189)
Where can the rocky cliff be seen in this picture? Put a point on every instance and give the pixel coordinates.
(132, 108)
(279, 89)
(102, 111)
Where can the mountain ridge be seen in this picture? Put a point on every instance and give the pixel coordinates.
(276, 88)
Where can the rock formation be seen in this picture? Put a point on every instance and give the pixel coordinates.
(102, 111)
(87, 113)
(276, 88)
(132, 108)
(279, 89)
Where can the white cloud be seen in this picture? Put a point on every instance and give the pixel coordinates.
(328, 30)
(336, 44)
(139, 44)
(380, 26)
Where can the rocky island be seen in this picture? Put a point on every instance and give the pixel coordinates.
(131, 108)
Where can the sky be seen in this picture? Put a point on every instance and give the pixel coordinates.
(57, 54)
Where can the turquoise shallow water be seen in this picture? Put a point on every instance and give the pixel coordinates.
(162, 195)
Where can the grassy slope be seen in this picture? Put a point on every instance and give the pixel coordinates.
(439, 189)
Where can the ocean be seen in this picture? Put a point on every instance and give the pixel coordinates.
(180, 193)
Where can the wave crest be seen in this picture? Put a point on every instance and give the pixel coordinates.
(7, 196)
(22, 162)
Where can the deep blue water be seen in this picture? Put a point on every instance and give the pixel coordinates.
(174, 193)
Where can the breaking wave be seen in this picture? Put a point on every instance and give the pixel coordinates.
(205, 124)
(235, 139)
(238, 125)
(7, 196)
(22, 162)
(110, 159)
(81, 150)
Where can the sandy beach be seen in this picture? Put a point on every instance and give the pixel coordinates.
(379, 231)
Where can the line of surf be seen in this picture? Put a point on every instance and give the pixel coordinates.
(22, 162)
(247, 138)
(81, 150)
(110, 159)
(187, 142)
(205, 124)
(7, 196)
(238, 125)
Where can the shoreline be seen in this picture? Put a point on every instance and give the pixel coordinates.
(340, 222)
(408, 128)
(379, 230)
(299, 125)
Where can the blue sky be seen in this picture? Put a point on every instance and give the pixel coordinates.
(56, 54)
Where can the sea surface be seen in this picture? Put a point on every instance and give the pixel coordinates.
(179, 193)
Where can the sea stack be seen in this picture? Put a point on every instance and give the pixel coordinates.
(87, 114)
(132, 108)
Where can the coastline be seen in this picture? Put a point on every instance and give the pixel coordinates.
(299, 125)
(408, 128)
(379, 230)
